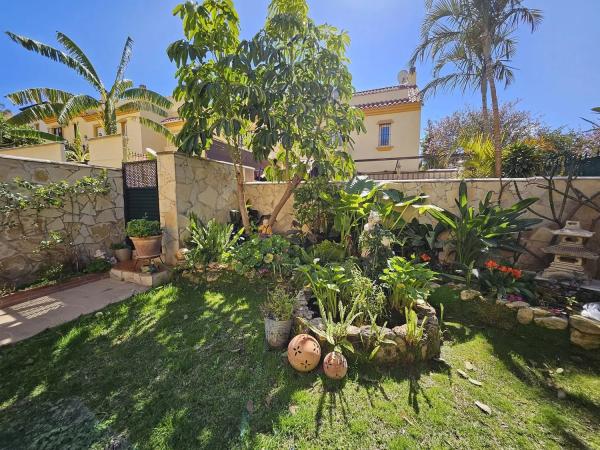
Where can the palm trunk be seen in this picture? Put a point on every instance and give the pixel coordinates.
(289, 190)
(484, 107)
(496, 138)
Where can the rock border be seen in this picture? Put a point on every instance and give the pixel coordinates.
(583, 332)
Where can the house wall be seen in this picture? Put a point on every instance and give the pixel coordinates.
(52, 151)
(106, 151)
(93, 222)
(405, 124)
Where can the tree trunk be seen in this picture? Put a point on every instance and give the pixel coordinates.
(241, 194)
(496, 138)
(291, 186)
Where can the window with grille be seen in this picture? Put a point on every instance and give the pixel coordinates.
(384, 134)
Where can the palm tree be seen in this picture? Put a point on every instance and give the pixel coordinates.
(476, 37)
(121, 97)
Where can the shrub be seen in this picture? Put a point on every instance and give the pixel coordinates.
(279, 304)
(97, 265)
(118, 246)
(213, 242)
(143, 228)
(328, 252)
(521, 161)
(407, 282)
(310, 208)
(274, 254)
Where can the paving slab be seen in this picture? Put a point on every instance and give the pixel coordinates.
(29, 318)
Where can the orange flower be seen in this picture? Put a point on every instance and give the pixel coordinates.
(516, 273)
(504, 269)
(490, 264)
(425, 257)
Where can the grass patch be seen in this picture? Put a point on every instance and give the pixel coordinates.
(185, 367)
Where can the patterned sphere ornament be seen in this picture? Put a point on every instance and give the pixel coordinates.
(304, 353)
(335, 365)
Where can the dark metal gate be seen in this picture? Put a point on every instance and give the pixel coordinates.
(140, 190)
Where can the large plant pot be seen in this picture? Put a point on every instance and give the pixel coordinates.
(277, 332)
(123, 254)
(147, 247)
(335, 365)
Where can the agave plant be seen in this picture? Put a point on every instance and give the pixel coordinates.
(44, 103)
(474, 232)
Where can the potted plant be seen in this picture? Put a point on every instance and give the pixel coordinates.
(122, 251)
(277, 311)
(146, 236)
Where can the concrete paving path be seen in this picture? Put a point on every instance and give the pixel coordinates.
(29, 318)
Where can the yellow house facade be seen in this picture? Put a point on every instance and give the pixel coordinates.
(392, 122)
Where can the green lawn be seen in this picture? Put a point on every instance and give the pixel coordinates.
(180, 367)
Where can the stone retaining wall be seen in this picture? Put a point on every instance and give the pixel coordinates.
(264, 196)
(94, 223)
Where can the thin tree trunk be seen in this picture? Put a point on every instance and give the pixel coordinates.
(496, 138)
(241, 194)
(289, 190)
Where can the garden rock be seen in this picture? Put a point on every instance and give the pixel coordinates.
(541, 312)
(517, 305)
(552, 322)
(525, 316)
(353, 334)
(585, 325)
(586, 341)
(469, 294)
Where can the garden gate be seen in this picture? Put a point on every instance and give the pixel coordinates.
(140, 190)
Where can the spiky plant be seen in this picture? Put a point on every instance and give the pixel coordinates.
(44, 103)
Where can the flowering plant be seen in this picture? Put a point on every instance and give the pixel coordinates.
(505, 281)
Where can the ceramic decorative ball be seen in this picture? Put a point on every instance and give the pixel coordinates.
(304, 353)
(335, 365)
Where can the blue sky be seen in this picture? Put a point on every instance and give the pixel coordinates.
(557, 77)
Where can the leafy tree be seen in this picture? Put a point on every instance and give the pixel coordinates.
(521, 161)
(286, 91)
(441, 144)
(476, 38)
(120, 97)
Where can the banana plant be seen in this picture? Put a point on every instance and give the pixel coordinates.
(121, 97)
(474, 232)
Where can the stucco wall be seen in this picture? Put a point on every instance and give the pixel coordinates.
(93, 222)
(263, 196)
(106, 151)
(52, 151)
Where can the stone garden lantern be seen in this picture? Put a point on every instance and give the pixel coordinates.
(569, 253)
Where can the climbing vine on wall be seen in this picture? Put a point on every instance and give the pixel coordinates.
(21, 200)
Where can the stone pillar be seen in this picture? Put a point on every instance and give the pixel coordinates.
(167, 201)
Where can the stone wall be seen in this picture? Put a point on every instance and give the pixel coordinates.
(189, 184)
(264, 196)
(93, 222)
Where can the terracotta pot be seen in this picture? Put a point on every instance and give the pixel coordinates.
(123, 254)
(147, 247)
(277, 332)
(304, 353)
(335, 365)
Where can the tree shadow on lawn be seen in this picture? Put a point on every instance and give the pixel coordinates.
(175, 367)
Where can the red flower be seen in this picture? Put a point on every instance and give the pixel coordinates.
(425, 257)
(516, 273)
(504, 269)
(490, 264)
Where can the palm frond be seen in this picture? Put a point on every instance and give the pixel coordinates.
(134, 106)
(38, 95)
(75, 52)
(125, 57)
(146, 96)
(35, 113)
(75, 106)
(27, 133)
(53, 54)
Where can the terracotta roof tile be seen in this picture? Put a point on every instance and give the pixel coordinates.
(386, 89)
(383, 103)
